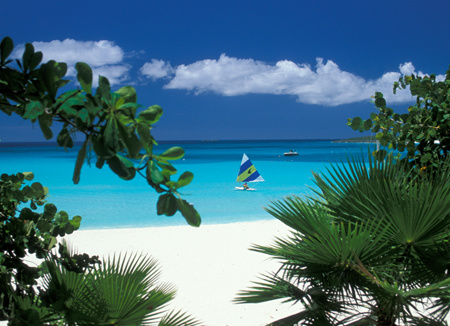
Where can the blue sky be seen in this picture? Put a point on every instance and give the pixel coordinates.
(279, 69)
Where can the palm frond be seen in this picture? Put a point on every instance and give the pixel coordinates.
(178, 318)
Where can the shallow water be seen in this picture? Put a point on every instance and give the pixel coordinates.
(105, 201)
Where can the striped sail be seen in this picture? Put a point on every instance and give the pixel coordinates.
(248, 172)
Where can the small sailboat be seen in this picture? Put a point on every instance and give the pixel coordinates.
(291, 153)
(247, 173)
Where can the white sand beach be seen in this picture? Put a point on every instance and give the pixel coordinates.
(208, 265)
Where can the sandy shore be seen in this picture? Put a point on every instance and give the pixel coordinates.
(207, 265)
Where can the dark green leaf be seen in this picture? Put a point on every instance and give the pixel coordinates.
(189, 212)
(45, 122)
(33, 109)
(6, 48)
(171, 205)
(173, 153)
(100, 162)
(425, 158)
(150, 115)
(367, 124)
(161, 204)
(27, 55)
(128, 93)
(185, 179)
(80, 161)
(356, 122)
(380, 155)
(380, 102)
(28, 176)
(76, 222)
(411, 147)
(36, 60)
(43, 226)
(64, 139)
(84, 76)
(49, 211)
(146, 138)
(155, 174)
(132, 143)
(38, 189)
(104, 90)
(111, 139)
(122, 167)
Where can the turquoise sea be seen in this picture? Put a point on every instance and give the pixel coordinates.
(105, 201)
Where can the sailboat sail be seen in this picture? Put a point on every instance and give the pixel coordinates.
(248, 172)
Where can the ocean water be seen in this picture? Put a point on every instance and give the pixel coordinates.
(105, 201)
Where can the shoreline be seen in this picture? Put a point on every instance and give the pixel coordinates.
(208, 265)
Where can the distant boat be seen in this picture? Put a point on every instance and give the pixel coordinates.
(290, 153)
(247, 173)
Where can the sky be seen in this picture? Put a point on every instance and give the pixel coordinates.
(232, 70)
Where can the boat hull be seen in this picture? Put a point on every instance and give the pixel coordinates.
(242, 188)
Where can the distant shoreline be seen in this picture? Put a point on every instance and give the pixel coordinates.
(79, 143)
(365, 139)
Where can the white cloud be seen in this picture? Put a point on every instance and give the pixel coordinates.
(157, 69)
(325, 84)
(104, 57)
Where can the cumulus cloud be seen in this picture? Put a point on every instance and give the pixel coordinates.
(157, 69)
(104, 57)
(325, 84)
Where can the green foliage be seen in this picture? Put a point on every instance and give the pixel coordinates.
(115, 131)
(423, 132)
(368, 249)
(122, 290)
(29, 225)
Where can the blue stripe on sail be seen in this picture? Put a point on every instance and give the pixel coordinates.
(252, 177)
(244, 167)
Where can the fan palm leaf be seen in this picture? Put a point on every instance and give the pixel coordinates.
(123, 290)
(375, 236)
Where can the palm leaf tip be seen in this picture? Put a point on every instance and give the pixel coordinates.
(179, 318)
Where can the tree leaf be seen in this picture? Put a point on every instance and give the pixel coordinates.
(64, 139)
(84, 76)
(6, 48)
(132, 143)
(151, 115)
(380, 102)
(122, 167)
(356, 122)
(80, 161)
(170, 205)
(173, 153)
(146, 138)
(367, 124)
(76, 222)
(45, 121)
(161, 204)
(104, 90)
(189, 212)
(33, 109)
(128, 93)
(185, 179)
(36, 60)
(28, 176)
(27, 55)
(155, 174)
